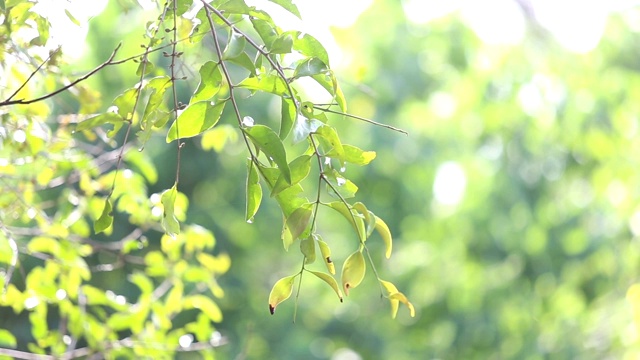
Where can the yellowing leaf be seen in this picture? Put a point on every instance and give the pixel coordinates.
(280, 292)
(384, 232)
(403, 299)
(329, 280)
(353, 271)
(206, 305)
(396, 297)
(326, 255)
(357, 156)
(170, 223)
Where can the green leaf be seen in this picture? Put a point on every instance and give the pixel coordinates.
(288, 199)
(282, 44)
(158, 87)
(72, 18)
(244, 61)
(254, 191)
(310, 67)
(353, 271)
(271, 83)
(330, 281)
(340, 185)
(331, 142)
(195, 119)
(7, 339)
(308, 249)
(354, 219)
(299, 168)
(235, 7)
(173, 303)
(288, 111)
(289, 6)
(235, 46)
(309, 46)
(280, 292)
(106, 219)
(267, 31)
(384, 232)
(326, 254)
(357, 156)
(206, 305)
(210, 82)
(296, 224)
(170, 223)
(329, 82)
(270, 144)
(106, 118)
(125, 103)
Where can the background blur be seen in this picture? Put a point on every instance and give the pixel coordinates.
(514, 201)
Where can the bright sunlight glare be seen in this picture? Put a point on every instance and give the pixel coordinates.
(449, 184)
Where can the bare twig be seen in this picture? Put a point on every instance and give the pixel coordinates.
(33, 74)
(361, 119)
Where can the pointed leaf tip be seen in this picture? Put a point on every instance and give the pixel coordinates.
(353, 271)
(280, 292)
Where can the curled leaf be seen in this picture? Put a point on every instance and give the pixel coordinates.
(253, 190)
(396, 297)
(384, 232)
(280, 292)
(105, 220)
(353, 271)
(308, 249)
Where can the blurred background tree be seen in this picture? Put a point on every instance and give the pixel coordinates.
(514, 200)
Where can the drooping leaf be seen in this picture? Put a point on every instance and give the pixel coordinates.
(270, 83)
(299, 168)
(357, 156)
(329, 82)
(106, 218)
(354, 219)
(326, 254)
(385, 233)
(396, 297)
(170, 223)
(296, 224)
(288, 113)
(253, 190)
(280, 292)
(106, 118)
(369, 217)
(195, 119)
(310, 67)
(330, 281)
(353, 271)
(269, 143)
(308, 249)
(235, 46)
(210, 82)
(289, 6)
(331, 142)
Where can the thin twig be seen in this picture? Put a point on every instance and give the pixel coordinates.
(361, 119)
(33, 74)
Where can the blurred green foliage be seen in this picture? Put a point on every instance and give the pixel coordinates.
(514, 200)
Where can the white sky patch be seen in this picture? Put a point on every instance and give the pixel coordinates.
(64, 32)
(496, 22)
(450, 183)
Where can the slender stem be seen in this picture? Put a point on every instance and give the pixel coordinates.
(361, 119)
(33, 74)
(176, 106)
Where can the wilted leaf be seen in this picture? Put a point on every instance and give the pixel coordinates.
(354, 219)
(353, 271)
(385, 233)
(280, 292)
(326, 254)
